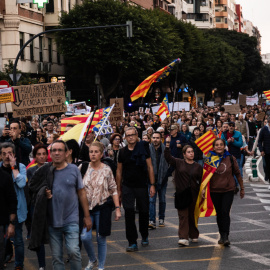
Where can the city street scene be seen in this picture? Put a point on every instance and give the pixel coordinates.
(134, 134)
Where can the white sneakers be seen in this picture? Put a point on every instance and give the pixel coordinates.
(183, 242)
(194, 240)
(91, 265)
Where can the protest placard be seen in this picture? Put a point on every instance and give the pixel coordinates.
(260, 116)
(242, 100)
(210, 103)
(46, 98)
(79, 108)
(6, 95)
(116, 115)
(232, 109)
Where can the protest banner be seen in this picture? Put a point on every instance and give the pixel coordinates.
(260, 116)
(210, 103)
(242, 100)
(79, 108)
(7, 95)
(116, 115)
(232, 109)
(46, 98)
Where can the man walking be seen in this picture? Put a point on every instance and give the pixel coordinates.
(160, 167)
(134, 165)
(18, 173)
(61, 185)
(8, 210)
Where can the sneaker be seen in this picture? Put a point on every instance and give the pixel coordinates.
(194, 240)
(145, 242)
(226, 240)
(183, 242)
(132, 248)
(152, 225)
(161, 223)
(91, 265)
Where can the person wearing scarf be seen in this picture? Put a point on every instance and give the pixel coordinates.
(222, 186)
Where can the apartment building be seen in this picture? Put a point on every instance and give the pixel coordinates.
(20, 21)
(147, 4)
(266, 58)
(225, 14)
(201, 13)
(239, 20)
(252, 31)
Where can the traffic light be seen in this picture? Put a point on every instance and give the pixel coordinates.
(67, 101)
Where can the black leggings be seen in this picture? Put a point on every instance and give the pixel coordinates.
(223, 203)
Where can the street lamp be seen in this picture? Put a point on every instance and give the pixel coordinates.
(97, 82)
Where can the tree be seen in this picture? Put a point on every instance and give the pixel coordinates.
(108, 51)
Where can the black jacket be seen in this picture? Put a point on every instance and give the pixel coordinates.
(264, 140)
(8, 198)
(198, 154)
(42, 179)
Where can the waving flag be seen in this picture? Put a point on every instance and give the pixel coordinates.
(74, 120)
(267, 94)
(143, 88)
(163, 110)
(205, 142)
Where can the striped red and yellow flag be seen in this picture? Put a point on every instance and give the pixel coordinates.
(164, 107)
(267, 94)
(194, 102)
(205, 142)
(143, 88)
(79, 119)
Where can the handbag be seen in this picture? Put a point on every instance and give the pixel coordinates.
(183, 199)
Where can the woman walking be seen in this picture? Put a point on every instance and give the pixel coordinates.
(222, 186)
(188, 175)
(101, 191)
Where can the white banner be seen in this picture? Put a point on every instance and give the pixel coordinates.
(251, 100)
(24, 1)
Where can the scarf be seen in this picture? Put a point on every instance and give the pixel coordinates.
(161, 170)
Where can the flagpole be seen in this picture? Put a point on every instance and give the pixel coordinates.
(104, 122)
(81, 146)
(175, 84)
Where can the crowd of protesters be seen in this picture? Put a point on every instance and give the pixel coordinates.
(79, 187)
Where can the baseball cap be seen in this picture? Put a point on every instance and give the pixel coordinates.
(173, 127)
(231, 124)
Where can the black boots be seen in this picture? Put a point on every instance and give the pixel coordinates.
(224, 240)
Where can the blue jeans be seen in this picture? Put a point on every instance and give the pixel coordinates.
(241, 171)
(71, 234)
(162, 204)
(87, 240)
(18, 244)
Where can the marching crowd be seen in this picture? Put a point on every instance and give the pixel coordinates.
(69, 190)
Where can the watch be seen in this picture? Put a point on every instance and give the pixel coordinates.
(12, 222)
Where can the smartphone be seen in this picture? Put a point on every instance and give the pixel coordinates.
(7, 123)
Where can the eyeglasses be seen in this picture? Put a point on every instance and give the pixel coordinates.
(57, 150)
(116, 139)
(131, 135)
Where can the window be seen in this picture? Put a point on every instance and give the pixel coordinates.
(40, 50)
(50, 49)
(50, 7)
(31, 48)
(21, 44)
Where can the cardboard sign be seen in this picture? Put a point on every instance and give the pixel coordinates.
(79, 108)
(116, 115)
(210, 103)
(45, 98)
(232, 109)
(260, 116)
(242, 100)
(7, 95)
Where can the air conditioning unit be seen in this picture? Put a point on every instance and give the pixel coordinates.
(40, 67)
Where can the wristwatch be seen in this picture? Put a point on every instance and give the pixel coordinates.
(15, 167)
(12, 222)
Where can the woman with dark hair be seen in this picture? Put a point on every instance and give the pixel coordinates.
(193, 122)
(116, 143)
(198, 154)
(202, 128)
(73, 151)
(222, 186)
(219, 125)
(188, 175)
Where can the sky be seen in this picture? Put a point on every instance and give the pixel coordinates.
(257, 11)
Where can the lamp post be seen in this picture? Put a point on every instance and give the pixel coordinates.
(97, 82)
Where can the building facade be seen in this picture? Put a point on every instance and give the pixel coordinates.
(18, 24)
(266, 58)
(239, 20)
(201, 13)
(225, 14)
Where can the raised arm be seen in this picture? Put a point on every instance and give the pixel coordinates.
(167, 153)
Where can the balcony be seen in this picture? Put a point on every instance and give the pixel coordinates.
(221, 14)
(184, 7)
(221, 25)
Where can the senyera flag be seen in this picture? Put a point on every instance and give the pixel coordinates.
(205, 142)
(143, 88)
(80, 119)
(163, 110)
(267, 94)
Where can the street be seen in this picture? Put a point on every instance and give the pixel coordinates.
(250, 238)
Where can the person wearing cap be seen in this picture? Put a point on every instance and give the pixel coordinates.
(234, 142)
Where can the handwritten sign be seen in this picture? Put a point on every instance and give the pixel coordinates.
(39, 99)
(232, 109)
(6, 95)
(242, 100)
(260, 116)
(116, 115)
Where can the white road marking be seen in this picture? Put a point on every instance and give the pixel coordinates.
(261, 189)
(263, 195)
(265, 201)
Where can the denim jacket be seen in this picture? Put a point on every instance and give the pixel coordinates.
(19, 184)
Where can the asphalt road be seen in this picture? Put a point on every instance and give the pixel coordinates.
(250, 240)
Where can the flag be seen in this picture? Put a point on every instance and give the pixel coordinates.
(74, 120)
(205, 207)
(205, 142)
(193, 102)
(267, 94)
(103, 126)
(163, 110)
(143, 88)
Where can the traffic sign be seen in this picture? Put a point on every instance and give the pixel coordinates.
(4, 84)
